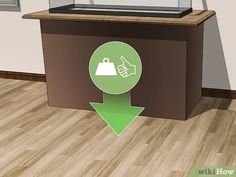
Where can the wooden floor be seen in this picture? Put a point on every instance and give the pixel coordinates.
(37, 140)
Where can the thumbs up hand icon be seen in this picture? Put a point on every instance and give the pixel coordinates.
(126, 69)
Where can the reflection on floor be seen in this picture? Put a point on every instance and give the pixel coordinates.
(37, 140)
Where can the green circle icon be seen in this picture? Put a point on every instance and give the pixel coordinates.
(115, 67)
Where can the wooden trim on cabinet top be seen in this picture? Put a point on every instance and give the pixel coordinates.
(193, 19)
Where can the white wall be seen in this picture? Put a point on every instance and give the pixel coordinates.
(219, 69)
(20, 40)
(21, 50)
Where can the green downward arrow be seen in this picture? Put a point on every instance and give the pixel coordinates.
(117, 111)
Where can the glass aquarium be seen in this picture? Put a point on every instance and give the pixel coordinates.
(149, 8)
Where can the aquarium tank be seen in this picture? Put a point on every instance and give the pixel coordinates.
(149, 8)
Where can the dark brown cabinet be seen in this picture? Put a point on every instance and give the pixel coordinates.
(171, 51)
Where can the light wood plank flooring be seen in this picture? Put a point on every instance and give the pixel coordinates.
(37, 140)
